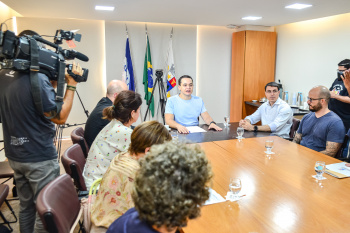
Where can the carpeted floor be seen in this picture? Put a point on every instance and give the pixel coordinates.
(15, 203)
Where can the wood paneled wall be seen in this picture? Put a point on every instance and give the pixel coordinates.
(253, 65)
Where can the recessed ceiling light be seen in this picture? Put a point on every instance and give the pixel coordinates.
(104, 8)
(298, 6)
(252, 18)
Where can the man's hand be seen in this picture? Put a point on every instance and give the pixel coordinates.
(214, 126)
(346, 79)
(246, 125)
(76, 70)
(182, 129)
(333, 94)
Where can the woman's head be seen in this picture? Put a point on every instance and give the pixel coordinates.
(147, 134)
(125, 107)
(171, 185)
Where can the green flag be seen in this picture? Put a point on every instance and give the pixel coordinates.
(148, 77)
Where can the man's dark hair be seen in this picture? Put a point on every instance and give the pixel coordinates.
(184, 76)
(272, 84)
(345, 63)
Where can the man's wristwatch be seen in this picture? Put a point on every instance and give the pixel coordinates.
(255, 128)
(212, 122)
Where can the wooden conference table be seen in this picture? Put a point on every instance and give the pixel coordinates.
(281, 195)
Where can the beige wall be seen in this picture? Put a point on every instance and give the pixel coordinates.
(308, 52)
(214, 69)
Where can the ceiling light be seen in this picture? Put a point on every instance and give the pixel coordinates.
(104, 8)
(298, 6)
(252, 18)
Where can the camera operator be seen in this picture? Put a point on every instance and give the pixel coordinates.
(29, 135)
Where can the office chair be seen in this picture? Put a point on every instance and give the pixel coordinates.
(73, 161)
(58, 206)
(4, 191)
(77, 137)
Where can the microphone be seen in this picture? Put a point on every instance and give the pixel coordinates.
(71, 54)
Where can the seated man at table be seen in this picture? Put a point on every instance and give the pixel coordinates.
(275, 115)
(95, 123)
(184, 109)
(321, 130)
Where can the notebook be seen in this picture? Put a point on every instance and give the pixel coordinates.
(338, 170)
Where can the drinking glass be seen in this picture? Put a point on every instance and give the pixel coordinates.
(319, 169)
(269, 145)
(240, 132)
(235, 187)
(226, 121)
(174, 135)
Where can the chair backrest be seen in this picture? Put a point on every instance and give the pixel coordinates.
(343, 146)
(58, 205)
(77, 137)
(73, 161)
(294, 127)
(4, 191)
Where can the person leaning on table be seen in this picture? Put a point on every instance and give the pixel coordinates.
(275, 115)
(184, 109)
(320, 130)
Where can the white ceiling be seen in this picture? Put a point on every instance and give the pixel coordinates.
(196, 12)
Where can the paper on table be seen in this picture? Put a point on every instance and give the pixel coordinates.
(195, 129)
(338, 170)
(214, 197)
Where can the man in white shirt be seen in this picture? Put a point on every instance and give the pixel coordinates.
(275, 115)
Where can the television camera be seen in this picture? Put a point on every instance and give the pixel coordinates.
(16, 54)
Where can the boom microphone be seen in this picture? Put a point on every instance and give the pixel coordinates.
(71, 54)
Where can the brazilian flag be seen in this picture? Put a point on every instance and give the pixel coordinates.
(148, 77)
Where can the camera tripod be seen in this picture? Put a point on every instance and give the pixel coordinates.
(162, 95)
(59, 129)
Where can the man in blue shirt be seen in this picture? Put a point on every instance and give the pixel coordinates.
(321, 130)
(184, 109)
(276, 116)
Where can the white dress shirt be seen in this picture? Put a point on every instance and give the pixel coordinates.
(279, 117)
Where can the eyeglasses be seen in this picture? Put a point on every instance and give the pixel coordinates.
(311, 99)
(274, 91)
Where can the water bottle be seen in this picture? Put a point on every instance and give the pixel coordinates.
(294, 100)
(285, 96)
(281, 89)
(300, 99)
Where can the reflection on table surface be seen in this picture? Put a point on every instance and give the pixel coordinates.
(281, 195)
(227, 133)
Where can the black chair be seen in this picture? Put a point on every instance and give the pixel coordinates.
(341, 149)
(77, 137)
(73, 161)
(7, 173)
(293, 129)
(58, 206)
(4, 191)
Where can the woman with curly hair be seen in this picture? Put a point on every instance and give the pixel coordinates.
(114, 137)
(114, 196)
(170, 188)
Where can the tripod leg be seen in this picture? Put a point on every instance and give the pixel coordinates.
(150, 100)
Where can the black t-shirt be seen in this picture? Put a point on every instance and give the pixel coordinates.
(340, 108)
(28, 135)
(95, 123)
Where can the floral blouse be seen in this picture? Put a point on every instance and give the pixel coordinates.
(113, 139)
(114, 195)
